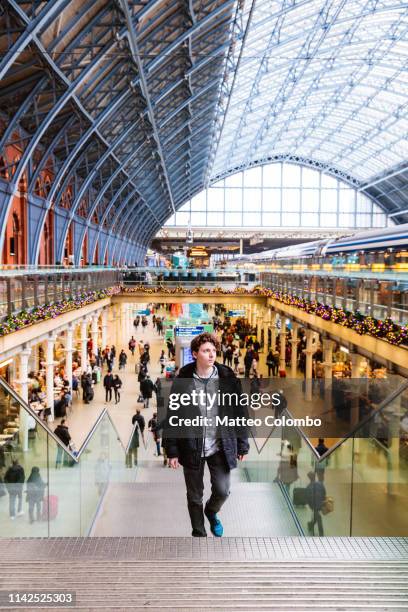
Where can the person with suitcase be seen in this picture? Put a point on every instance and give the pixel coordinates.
(35, 494)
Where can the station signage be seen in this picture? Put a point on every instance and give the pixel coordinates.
(236, 313)
(189, 331)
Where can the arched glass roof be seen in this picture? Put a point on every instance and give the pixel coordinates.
(115, 113)
(324, 80)
(280, 196)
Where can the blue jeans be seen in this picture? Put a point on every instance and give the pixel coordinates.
(15, 492)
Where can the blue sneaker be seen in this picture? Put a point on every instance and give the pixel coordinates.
(215, 524)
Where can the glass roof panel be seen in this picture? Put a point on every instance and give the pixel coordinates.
(321, 79)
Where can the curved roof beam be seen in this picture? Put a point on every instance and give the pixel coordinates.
(132, 38)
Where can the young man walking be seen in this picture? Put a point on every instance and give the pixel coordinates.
(206, 380)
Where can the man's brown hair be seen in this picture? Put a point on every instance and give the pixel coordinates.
(197, 341)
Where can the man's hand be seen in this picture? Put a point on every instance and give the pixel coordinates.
(174, 463)
(240, 457)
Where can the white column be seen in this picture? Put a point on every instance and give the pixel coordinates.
(309, 363)
(69, 349)
(104, 327)
(328, 346)
(274, 331)
(355, 365)
(50, 343)
(267, 318)
(294, 343)
(84, 340)
(130, 320)
(94, 334)
(282, 361)
(24, 356)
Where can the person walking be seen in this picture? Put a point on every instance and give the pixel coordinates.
(122, 360)
(219, 450)
(14, 480)
(131, 455)
(61, 431)
(140, 420)
(170, 346)
(315, 496)
(270, 362)
(276, 359)
(117, 385)
(248, 360)
(154, 428)
(229, 355)
(113, 354)
(162, 361)
(108, 384)
(146, 389)
(132, 346)
(35, 494)
(237, 355)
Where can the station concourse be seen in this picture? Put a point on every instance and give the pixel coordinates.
(223, 177)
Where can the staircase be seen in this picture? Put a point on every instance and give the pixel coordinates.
(209, 575)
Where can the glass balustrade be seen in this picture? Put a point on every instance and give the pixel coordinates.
(45, 489)
(359, 487)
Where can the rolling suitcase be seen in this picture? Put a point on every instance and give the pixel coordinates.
(50, 508)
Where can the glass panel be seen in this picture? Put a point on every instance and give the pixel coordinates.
(271, 200)
(252, 199)
(347, 200)
(291, 200)
(328, 220)
(271, 219)
(272, 175)
(363, 220)
(3, 298)
(310, 200)
(310, 219)
(252, 219)
(217, 218)
(328, 200)
(291, 175)
(95, 469)
(380, 478)
(199, 202)
(363, 204)
(379, 220)
(171, 221)
(290, 219)
(253, 177)
(328, 181)
(64, 503)
(198, 218)
(235, 180)
(182, 218)
(233, 200)
(215, 199)
(233, 220)
(24, 474)
(346, 220)
(309, 482)
(310, 178)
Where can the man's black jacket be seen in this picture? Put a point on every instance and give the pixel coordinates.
(187, 446)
